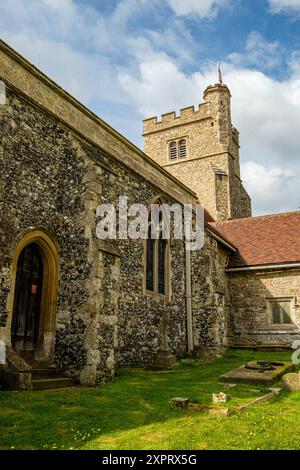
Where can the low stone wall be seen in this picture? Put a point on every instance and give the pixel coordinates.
(16, 373)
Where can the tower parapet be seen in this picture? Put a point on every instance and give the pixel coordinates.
(171, 119)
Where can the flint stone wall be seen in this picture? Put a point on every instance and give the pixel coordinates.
(52, 179)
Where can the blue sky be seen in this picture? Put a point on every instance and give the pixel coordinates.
(128, 59)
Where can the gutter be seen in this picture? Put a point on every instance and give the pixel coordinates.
(263, 267)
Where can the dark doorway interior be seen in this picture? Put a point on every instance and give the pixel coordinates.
(27, 301)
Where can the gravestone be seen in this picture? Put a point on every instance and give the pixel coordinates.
(164, 359)
(220, 398)
(291, 382)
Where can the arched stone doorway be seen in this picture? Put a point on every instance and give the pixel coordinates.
(32, 301)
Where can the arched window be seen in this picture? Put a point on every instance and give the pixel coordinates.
(173, 151)
(182, 148)
(157, 256)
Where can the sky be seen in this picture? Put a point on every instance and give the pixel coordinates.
(131, 59)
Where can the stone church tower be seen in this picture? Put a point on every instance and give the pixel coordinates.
(201, 149)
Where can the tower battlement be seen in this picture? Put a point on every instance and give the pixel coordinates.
(205, 110)
(171, 119)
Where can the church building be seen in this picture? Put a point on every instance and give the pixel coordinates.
(74, 303)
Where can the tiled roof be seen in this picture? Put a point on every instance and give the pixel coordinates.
(208, 223)
(264, 240)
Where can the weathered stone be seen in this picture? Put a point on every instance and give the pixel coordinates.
(291, 382)
(255, 390)
(251, 373)
(88, 375)
(276, 390)
(218, 411)
(220, 398)
(165, 359)
(229, 385)
(15, 374)
(257, 401)
(180, 402)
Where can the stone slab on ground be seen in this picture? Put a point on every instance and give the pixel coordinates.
(244, 374)
(257, 401)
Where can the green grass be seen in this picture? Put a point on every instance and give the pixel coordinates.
(133, 412)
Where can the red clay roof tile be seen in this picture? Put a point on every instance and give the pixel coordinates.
(270, 239)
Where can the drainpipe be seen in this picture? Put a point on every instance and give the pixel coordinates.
(188, 295)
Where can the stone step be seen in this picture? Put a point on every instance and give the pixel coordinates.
(48, 384)
(47, 373)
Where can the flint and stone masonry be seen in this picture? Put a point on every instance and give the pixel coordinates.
(56, 169)
(58, 163)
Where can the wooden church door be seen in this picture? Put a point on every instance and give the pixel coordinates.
(27, 301)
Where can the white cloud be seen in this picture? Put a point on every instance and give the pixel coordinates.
(201, 8)
(160, 87)
(285, 6)
(74, 44)
(272, 189)
(266, 113)
(177, 41)
(59, 5)
(258, 52)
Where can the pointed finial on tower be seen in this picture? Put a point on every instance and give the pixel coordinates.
(219, 73)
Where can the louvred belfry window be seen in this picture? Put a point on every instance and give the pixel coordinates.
(182, 148)
(173, 151)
